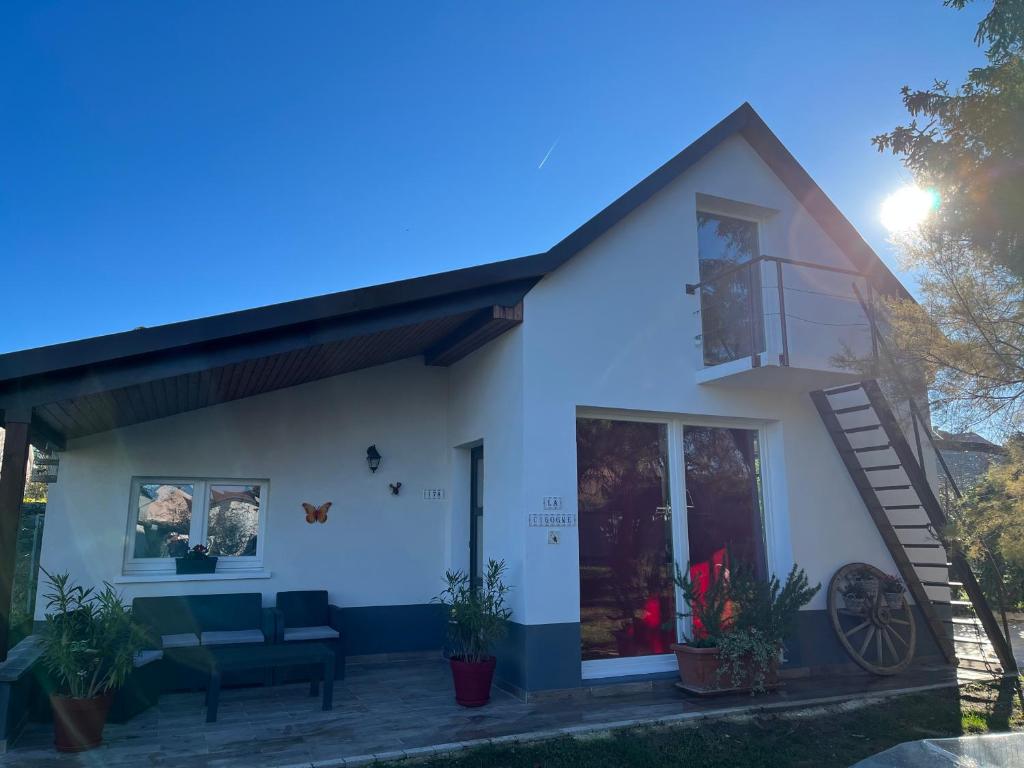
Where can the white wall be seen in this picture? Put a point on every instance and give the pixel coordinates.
(613, 328)
(310, 442)
(486, 405)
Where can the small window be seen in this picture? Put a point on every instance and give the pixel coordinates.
(169, 516)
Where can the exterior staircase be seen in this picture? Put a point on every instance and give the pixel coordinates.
(896, 492)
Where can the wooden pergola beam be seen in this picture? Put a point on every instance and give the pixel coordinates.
(13, 469)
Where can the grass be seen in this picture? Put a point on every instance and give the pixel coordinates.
(833, 736)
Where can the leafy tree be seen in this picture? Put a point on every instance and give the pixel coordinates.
(968, 143)
(989, 524)
(967, 335)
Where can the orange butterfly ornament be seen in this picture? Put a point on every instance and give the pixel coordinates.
(316, 514)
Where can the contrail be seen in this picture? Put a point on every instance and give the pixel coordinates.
(546, 156)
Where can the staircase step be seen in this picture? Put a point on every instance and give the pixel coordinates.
(970, 640)
(965, 622)
(868, 428)
(881, 467)
(919, 527)
(871, 448)
(932, 565)
(980, 659)
(902, 506)
(845, 388)
(892, 488)
(950, 584)
(922, 546)
(851, 409)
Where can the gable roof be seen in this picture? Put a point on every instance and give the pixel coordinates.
(460, 306)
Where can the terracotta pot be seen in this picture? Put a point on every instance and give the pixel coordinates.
(698, 671)
(472, 680)
(698, 667)
(78, 723)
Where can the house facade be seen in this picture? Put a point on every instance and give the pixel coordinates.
(632, 399)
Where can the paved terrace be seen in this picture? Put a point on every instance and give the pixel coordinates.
(405, 708)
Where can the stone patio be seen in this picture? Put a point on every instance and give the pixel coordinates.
(405, 708)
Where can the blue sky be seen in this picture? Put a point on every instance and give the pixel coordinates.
(162, 161)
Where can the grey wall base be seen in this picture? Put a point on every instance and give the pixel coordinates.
(546, 657)
(388, 629)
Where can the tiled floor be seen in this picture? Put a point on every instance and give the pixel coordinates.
(386, 708)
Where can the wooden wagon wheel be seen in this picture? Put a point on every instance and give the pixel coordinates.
(878, 636)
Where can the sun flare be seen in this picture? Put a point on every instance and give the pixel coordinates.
(907, 208)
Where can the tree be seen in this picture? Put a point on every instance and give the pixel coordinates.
(989, 524)
(968, 143)
(967, 334)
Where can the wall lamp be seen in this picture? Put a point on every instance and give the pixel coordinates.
(373, 458)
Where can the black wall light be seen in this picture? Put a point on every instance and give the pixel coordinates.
(372, 458)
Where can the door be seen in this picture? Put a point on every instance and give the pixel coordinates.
(476, 515)
(730, 295)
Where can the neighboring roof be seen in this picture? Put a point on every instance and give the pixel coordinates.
(442, 316)
(967, 441)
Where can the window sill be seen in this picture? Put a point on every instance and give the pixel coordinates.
(151, 578)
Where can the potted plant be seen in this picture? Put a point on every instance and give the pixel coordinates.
(478, 619)
(196, 560)
(88, 645)
(744, 621)
(855, 597)
(892, 590)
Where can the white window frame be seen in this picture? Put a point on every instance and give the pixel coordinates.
(675, 423)
(198, 527)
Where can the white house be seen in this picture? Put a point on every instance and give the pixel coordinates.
(633, 397)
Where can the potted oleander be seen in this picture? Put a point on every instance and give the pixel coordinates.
(477, 620)
(196, 560)
(741, 622)
(89, 642)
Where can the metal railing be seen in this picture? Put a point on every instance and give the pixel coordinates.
(767, 305)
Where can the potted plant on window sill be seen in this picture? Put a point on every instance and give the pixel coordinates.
(477, 619)
(89, 643)
(196, 560)
(741, 623)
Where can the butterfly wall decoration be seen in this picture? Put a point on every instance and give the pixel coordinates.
(316, 514)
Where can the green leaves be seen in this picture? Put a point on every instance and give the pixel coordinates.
(89, 639)
(478, 616)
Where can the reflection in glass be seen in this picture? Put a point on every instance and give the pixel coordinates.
(730, 306)
(164, 514)
(724, 511)
(233, 520)
(627, 598)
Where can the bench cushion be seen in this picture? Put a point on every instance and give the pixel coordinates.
(232, 637)
(142, 658)
(180, 640)
(310, 633)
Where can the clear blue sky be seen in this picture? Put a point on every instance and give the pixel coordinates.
(161, 161)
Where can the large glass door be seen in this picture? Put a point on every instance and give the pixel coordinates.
(627, 597)
(627, 529)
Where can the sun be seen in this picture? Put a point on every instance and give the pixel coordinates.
(907, 208)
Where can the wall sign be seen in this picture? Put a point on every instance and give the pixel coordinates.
(433, 494)
(552, 520)
(551, 503)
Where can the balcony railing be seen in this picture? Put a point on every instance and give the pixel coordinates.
(774, 311)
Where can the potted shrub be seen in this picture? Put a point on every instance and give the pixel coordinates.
(88, 645)
(477, 619)
(855, 597)
(744, 622)
(892, 590)
(196, 560)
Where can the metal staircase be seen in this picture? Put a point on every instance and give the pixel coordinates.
(912, 523)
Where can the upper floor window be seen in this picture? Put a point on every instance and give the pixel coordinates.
(730, 298)
(170, 515)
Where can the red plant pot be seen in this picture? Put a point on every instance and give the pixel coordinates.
(78, 723)
(472, 680)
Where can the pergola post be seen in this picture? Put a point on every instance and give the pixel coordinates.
(13, 469)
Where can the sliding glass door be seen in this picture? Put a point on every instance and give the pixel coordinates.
(625, 472)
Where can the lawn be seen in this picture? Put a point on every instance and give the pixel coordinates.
(836, 736)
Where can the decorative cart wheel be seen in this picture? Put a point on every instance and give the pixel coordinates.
(877, 630)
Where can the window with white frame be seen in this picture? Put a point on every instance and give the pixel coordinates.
(168, 516)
